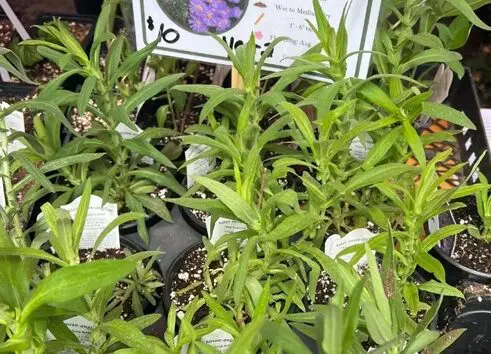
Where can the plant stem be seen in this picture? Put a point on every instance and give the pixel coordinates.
(6, 177)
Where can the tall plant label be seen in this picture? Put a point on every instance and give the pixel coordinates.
(223, 227)
(98, 218)
(184, 27)
(218, 339)
(14, 122)
(80, 327)
(199, 167)
(335, 244)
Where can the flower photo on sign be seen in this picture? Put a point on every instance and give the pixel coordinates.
(203, 16)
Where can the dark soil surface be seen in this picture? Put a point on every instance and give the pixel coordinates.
(43, 72)
(467, 250)
(79, 29)
(188, 281)
(7, 32)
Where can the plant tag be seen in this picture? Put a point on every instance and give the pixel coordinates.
(81, 328)
(360, 150)
(335, 244)
(199, 167)
(3, 202)
(218, 339)
(98, 218)
(14, 122)
(434, 224)
(223, 227)
(127, 133)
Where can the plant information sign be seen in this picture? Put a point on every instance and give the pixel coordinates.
(184, 26)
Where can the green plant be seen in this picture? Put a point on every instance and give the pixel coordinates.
(483, 203)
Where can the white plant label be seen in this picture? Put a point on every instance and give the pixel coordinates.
(360, 150)
(98, 218)
(81, 328)
(14, 122)
(183, 27)
(3, 202)
(223, 227)
(199, 167)
(218, 339)
(335, 244)
(127, 133)
(434, 224)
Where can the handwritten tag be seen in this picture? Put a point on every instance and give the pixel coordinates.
(360, 150)
(223, 227)
(218, 339)
(81, 328)
(335, 244)
(14, 122)
(199, 167)
(98, 218)
(127, 133)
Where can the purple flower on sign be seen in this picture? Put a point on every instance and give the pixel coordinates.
(214, 15)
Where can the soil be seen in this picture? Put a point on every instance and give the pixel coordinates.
(200, 214)
(189, 274)
(42, 72)
(467, 250)
(7, 32)
(119, 253)
(79, 29)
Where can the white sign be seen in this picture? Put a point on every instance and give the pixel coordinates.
(218, 339)
(223, 227)
(199, 167)
(182, 26)
(98, 218)
(335, 244)
(81, 328)
(359, 150)
(14, 122)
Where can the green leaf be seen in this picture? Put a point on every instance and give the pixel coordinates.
(162, 179)
(85, 93)
(156, 205)
(378, 286)
(380, 149)
(377, 96)
(444, 341)
(81, 216)
(431, 264)
(414, 141)
(291, 225)
(427, 39)
(130, 335)
(433, 239)
(435, 287)
(465, 9)
(282, 336)
(302, 121)
(144, 148)
(231, 199)
(380, 331)
(422, 340)
(436, 55)
(330, 329)
(242, 344)
(120, 220)
(378, 174)
(31, 253)
(150, 90)
(242, 271)
(34, 172)
(441, 111)
(72, 282)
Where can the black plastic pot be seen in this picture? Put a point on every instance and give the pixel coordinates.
(88, 7)
(476, 318)
(193, 221)
(472, 143)
(173, 270)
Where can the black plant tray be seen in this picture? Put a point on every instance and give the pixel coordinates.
(472, 143)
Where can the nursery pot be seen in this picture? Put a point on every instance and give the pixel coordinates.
(476, 318)
(195, 222)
